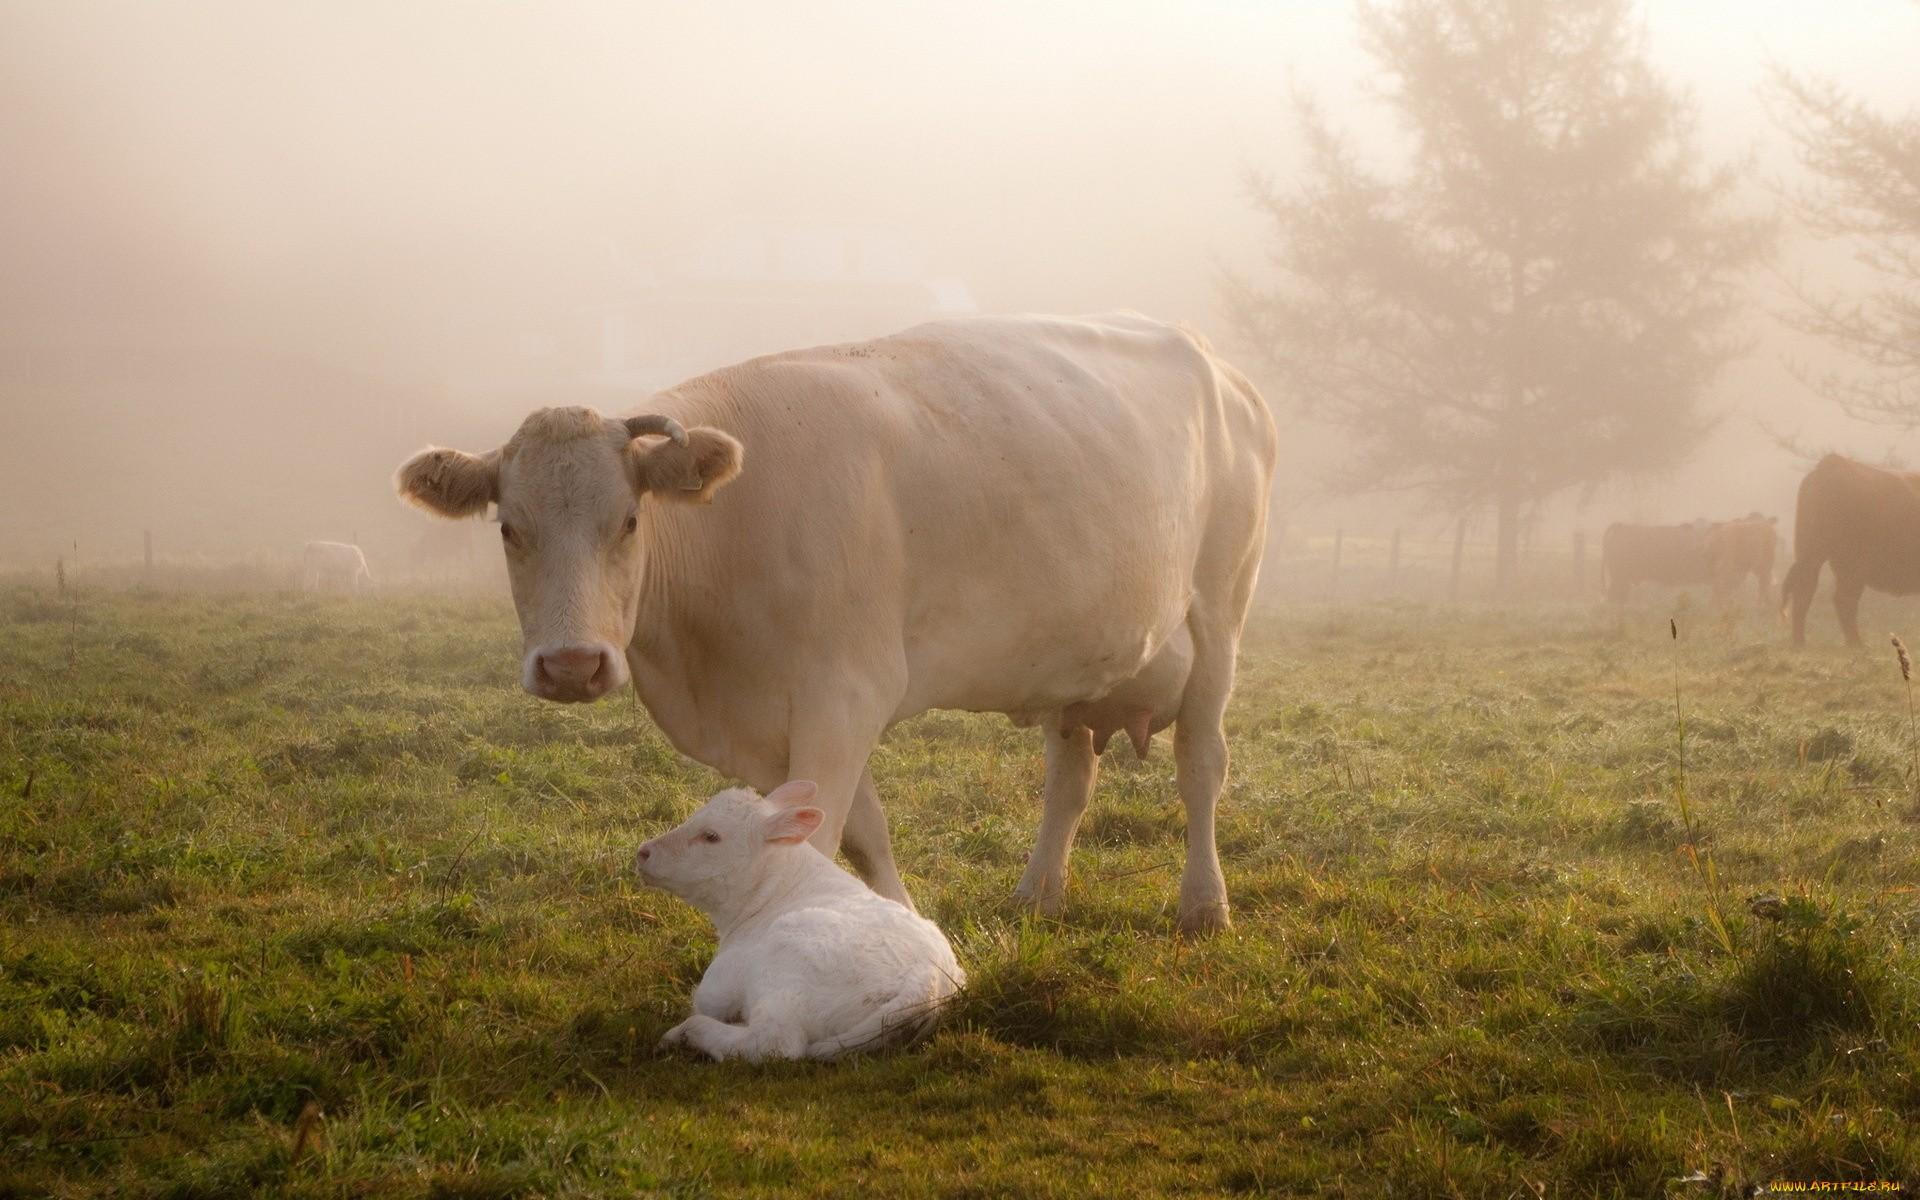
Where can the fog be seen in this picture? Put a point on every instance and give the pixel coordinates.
(255, 254)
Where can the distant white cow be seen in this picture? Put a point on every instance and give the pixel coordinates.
(333, 567)
(812, 963)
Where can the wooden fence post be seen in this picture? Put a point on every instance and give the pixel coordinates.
(1459, 544)
(1333, 583)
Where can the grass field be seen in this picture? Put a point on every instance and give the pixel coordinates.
(304, 897)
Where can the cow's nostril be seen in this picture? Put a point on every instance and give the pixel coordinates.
(573, 665)
(644, 851)
(574, 671)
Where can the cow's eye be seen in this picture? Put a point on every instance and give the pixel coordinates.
(633, 523)
(506, 533)
(709, 837)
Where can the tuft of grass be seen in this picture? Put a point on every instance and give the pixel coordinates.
(1813, 972)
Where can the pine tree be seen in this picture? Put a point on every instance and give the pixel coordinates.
(1539, 297)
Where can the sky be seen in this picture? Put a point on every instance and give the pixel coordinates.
(231, 229)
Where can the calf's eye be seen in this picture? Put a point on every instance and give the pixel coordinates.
(633, 523)
(506, 532)
(709, 837)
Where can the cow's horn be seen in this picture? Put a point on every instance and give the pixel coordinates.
(655, 423)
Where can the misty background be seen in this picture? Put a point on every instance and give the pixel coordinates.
(251, 256)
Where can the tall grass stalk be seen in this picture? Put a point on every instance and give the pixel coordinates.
(1913, 734)
(1703, 865)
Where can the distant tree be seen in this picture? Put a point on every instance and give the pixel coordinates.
(1539, 297)
(1866, 168)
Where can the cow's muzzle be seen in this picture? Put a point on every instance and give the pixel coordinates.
(573, 672)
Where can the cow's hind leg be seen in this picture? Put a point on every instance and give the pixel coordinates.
(1796, 594)
(1071, 769)
(1846, 604)
(1200, 769)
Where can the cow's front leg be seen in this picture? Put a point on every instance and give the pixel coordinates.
(1071, 769)
(835, 727)
(868, 846)
(838, 770)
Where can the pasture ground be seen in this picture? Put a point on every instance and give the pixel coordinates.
(265, 856)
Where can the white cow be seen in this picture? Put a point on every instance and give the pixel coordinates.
(333, 566)
(1011, 514)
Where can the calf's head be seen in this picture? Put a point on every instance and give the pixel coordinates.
(723, 851)
(568, 488)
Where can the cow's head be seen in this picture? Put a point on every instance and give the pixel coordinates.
(568, 487)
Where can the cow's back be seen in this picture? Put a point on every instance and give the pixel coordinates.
(1672, 554)
(1862, 518)
(1004, 514)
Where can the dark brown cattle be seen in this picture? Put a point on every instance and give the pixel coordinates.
(1866, 522)
(1736, 549)
(1673, 554)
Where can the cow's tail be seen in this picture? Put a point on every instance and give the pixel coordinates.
(1803, 575)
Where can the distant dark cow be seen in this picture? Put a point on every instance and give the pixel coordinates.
(1866, 522)
(1736, 549)
(1672, 554)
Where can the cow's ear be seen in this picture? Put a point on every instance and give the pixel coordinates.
(690, 473)
(452, 483)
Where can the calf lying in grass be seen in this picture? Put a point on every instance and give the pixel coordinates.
(812, 963)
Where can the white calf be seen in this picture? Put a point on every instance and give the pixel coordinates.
(812, 963)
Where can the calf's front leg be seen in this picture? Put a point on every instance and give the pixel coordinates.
(770, 1031)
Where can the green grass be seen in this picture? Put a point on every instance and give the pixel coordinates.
(261, 853)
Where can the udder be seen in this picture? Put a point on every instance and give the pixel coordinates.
(1143, 705)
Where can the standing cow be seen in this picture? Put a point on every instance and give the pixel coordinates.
(1741, 547)
(1012, 515)
(1670, 554)
(1866, 522)
(333, 566)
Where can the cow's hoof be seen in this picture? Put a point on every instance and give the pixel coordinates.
(1204, 920)
(1040, 901)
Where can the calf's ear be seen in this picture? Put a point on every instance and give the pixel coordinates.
(790, 826)
(691, 473)
(452, 483)
(794, 791)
